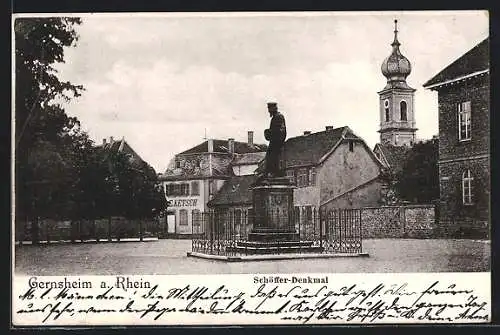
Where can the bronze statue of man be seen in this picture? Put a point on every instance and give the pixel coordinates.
(276, 135)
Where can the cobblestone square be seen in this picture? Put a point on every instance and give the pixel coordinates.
(168, 257)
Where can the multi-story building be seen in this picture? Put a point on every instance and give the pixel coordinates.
(195, 176)
(333, 168)
(463, 89)
(235, 194)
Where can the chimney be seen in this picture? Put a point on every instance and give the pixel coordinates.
(307, 132)
(210, 145)
(230, 145)
(111, 139)
(103, 141)
(250, 137)
(329, 127)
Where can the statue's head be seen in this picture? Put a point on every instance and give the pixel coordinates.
(272, 108)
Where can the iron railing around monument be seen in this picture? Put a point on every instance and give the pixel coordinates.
(330, 232)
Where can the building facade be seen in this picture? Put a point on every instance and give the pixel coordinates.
(333, 168)
(234, 199)
(463, 90)
(234, 202)
(195, 176)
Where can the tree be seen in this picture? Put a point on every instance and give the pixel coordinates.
(47, 141)
(39, 44)
(419, 179)
(118, 186)
(59, 174)
(137, 191)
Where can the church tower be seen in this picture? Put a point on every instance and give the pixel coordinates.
(397, 113)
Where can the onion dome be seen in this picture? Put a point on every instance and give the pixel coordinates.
(396, 67)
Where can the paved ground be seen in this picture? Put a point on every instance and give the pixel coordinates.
(169, 257)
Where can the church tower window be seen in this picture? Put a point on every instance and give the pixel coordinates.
(387, 112)
(403, 109)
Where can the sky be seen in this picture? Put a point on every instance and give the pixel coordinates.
(165, 81)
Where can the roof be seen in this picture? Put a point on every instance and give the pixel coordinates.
(234, 191)
(310, 149)
(249, 158)
(120, 146)
(221, 146)
(195, 172)
(394, 155)
(473, 61)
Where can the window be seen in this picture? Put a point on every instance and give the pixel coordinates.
(351, 146)
(196, 217)
(211, 187)
(177, 164)
(183, 217)
(302, 177)
(195, 188)
(386, 108)
(464, 121)
(250, 217)
(174, 190)
(237, 217)
(467, 180)
(169, 189)
(403, 109)
(312, 176)
(309, 214)
(291, 175)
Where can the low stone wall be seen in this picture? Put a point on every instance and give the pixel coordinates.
(463, 228)
(406, 221)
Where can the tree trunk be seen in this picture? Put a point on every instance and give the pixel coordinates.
(35, 230)
(140, 231)
(94, 227)
(80, 230)
(73, 238)
(109, 229)
(47, 234)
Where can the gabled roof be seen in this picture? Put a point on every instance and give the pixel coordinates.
(120, 146)
(235, 191)
(476, 60)
(395, 156)
(311, 149)
(221, 146)
(249, 158)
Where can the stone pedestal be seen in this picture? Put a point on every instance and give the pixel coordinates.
(274, 230)
(273, 210)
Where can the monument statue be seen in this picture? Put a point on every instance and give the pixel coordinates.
(276, 135)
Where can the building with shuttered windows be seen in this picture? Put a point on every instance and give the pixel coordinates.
(194, 176)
